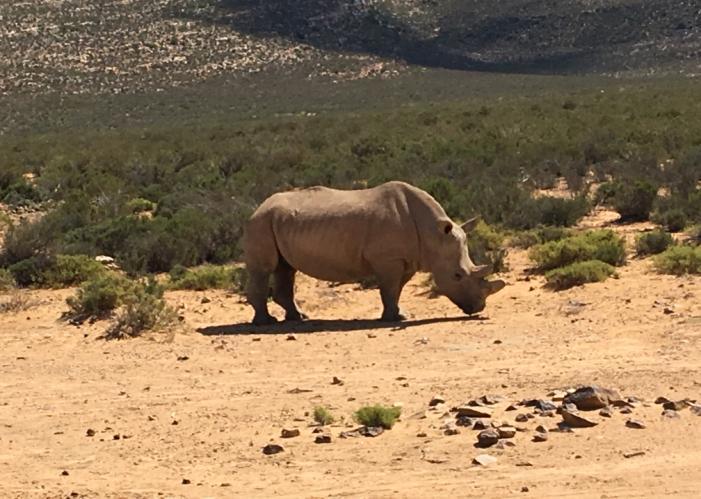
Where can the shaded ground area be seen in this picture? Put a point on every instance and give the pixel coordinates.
(200, 407)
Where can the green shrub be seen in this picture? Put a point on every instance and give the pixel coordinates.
(7, 281)
(485, 246)
(603, 245)
(578, 273)
(526, 239)
(201, 278)
(58, 271)
(378, 415)
(652, 243)
(323, 416)
(633, 200)
(98, 297)
(21, 193)
(694, 234)
(560, 212)
(674, 220)
(140, 205)
(144, 310)
(679, 260)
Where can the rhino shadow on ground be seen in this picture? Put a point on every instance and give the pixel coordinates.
(326, 326)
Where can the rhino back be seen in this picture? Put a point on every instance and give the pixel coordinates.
(340, 235)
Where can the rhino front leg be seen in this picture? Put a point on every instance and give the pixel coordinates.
(257, 292)
(392, 280)
(284, 290)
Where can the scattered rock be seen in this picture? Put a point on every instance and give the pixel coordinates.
(511, 408)
(541, 429)
(372, 431)
(451, 430)
(318, 429)
(90, 432)
(205, 300)
(487, 438)
(183, 358)
(421, 435)
(635, 423)
(464, 421)
(474, 412)
(540, 437)
(497, 342)
(524, 489)
(521, 418)
(484, 460)
(186, 481)
(503, 444)
(479, 425)
(576, 421)
(626, 410)
(606, 412)
(336, 381)
(695, 409)
(291, 337)
(540, 404)
(271, 449)
(490, 399)
(590, 398)
(289, 433)
(675, 406)
(64, 473)
(670, 413)
(662, 400)
(633, 454)
(435, 401)
(296, 391)
(557, 395)
(322, 439)
(116, 437)
(506, 431)
(568, 407)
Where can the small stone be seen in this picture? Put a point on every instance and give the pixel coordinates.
(372, 431)
(186, 481)
(568, 407)
(670, 413)
(484, 460)
(487, 438)
(182, 358)
(506, 432)
(322, 439)
(464, 421)
(542, 405)
(503, 444)
(557, 395)
(521, 418)
(479, 425)
(421, 434)
(606, 412)
(271, 449)
(576, 421)
(511, 408)
(497, 342)
(64, 473)
(336, 381)
(635, 423)
(662, 400)
(474, 412)
(318, 429)
(289, 433)
(435, 401)
(547, 414)
(451, 430)
(668, 310)
(524, 489)
(540, 437)
(90, 432)
(626, 410)
(541, 429)
(695, 409)
(589, 398)
(491, 399)
(205, 300)
(116, 437)
(291, 337)
(675, 406)
(628, 455)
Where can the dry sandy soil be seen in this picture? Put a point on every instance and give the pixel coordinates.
(201, 403)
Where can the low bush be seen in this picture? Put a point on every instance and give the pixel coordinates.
(579, 273)
(673, 220)
(603, 245)
(652, 243)
(526, 239)
(98, 297)
(144, 310)
(7, 281)
(207, 277)
(679, 260)
(59, 271)
(633, 200)
(323, 416)
(378, 415)
(140, 205)
(547, 210)
(485, 246)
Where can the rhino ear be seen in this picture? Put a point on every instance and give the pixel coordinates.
(494, 286)
(445, 226)
(470, 224)
(481, 271)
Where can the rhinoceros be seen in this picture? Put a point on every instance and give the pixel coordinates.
(390, 231)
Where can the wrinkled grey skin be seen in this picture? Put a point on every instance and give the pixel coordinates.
(390, 231)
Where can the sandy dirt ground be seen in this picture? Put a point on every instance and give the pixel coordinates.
(186, 414)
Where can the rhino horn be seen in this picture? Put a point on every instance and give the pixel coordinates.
(470, 224)
(494, 286)
(481, 271)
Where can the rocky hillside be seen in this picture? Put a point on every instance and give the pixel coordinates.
(129, 46)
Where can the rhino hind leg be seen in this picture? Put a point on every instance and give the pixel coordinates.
(257, 292)
(283, 291)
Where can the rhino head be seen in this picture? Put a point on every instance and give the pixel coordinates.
(456, 277)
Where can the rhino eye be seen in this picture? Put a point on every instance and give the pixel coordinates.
(457, 276)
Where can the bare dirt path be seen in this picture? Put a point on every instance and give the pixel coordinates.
(199, 406)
